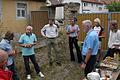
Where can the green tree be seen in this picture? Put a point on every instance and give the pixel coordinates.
(114, 7)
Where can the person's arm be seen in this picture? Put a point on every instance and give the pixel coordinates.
(56, 30)
(67, 29)
(78, 31)
(21, 42)
(89, 53)
(90, 44)
(35, 40)
(117, 44)
(43, 31)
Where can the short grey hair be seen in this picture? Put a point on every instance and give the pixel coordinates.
(87, 23)
(114, 22)
(29, 27)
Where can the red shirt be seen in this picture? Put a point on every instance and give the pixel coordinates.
(5, 75)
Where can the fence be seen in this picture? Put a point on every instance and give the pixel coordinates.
(105, 22)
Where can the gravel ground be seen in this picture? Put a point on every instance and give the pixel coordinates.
(67, 71)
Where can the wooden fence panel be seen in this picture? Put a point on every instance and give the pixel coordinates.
(104, 23)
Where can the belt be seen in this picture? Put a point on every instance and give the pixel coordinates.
(52, 38)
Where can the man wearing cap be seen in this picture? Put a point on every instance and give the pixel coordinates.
(27, 41)
(73, 32)
(50, 32)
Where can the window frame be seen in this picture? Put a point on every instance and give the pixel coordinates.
(85, 4)
(21, 2)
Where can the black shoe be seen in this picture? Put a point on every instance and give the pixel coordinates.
(58, 63)
(50, 63)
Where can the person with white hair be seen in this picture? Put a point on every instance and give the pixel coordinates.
(27, 41)
(90, 47)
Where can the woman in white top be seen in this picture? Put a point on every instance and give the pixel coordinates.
(114, 39)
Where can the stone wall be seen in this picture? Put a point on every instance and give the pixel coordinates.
(71, 10)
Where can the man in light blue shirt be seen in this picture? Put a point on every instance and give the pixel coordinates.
(90, 47)
(27, 42)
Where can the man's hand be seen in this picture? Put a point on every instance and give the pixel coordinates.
(14, 52)
(28, 45)
(83, 65)
(116, 46)
(72, 31)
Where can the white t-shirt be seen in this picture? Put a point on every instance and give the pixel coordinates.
(50, 31)
(114, 38)
(97, 29)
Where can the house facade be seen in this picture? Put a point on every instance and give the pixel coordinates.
(15, 15)
(93, 6)
(85, 6)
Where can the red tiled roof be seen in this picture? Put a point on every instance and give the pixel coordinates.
(93, 1)
(101, 1)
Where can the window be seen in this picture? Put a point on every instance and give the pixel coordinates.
(21, 10)
(85, 4)
(100, 8)
(96, 5)
(105, 7)
(92, 4)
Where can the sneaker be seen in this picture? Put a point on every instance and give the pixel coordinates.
(41, 74)
(28, 77)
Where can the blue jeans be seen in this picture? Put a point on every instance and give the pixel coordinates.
(27, 66)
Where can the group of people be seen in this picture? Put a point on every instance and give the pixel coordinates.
(87, 57)
(91, 50)
(27, 42)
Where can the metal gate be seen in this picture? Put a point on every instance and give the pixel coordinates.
(38, 20)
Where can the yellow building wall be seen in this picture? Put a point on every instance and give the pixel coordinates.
(10, 22)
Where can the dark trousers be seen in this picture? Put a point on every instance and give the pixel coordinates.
(111, 52)
(73, 41)
(27, 66)
(14, 71)
(90, 64)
